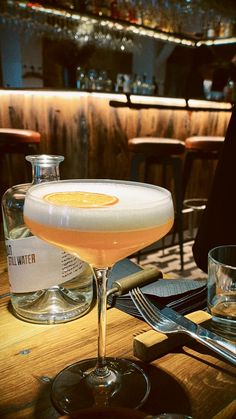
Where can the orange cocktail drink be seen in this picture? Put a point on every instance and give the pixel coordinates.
(100, 222)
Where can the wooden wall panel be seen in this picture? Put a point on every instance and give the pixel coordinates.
(92, 135)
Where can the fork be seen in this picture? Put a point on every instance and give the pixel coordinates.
(173, 322)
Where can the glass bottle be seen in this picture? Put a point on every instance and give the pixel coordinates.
(103, 8)
(145, 85)
(154, 87)
(134, 84)
(80, 79)
(114, 10)
(47, 285)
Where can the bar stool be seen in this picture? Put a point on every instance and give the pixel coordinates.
(15, 141)
(198, 148)
(162, 152)
(18, 140)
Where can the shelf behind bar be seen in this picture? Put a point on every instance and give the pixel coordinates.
(190, 40)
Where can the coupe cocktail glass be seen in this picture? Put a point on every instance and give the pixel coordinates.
(101, 221)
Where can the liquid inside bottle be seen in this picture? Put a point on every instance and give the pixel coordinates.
(47, 284)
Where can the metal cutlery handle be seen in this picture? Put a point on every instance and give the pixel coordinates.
(222, 347)
(208, 338)
(140, 278)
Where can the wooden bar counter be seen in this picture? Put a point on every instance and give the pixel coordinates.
(93, 134)
(188, 379)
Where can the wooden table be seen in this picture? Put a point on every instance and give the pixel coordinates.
(188, 380)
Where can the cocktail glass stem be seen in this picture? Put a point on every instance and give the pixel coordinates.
(101, 277)
(102, 380)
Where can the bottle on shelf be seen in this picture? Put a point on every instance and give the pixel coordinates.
(109, 85)
(82, 81)
(124, 10)
(119, 87)
(229, 91)
(103, 83)
(114, 10)
(139, 85)
(133, 15)
(103, 8)
(145, 85)
(126, 84)
(134, 84)
(154, 87)
(47, 284)
(147, 15)
(90, 7)
(92, 79)
(138, 12)
(228, 30)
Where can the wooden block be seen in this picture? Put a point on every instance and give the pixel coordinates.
(229, 412)
(151, 344)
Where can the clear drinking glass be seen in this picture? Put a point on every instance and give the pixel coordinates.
(221, 286)
(101, 221)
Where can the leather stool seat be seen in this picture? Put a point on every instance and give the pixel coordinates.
(163, 152)
(156, 146)
(11, 138)
(200, 148)
(204, 143)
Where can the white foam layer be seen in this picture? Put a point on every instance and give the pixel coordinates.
(139, 206)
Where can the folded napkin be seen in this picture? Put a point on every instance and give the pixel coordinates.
(183, 295)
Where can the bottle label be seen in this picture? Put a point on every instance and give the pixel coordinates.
(35, 265)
